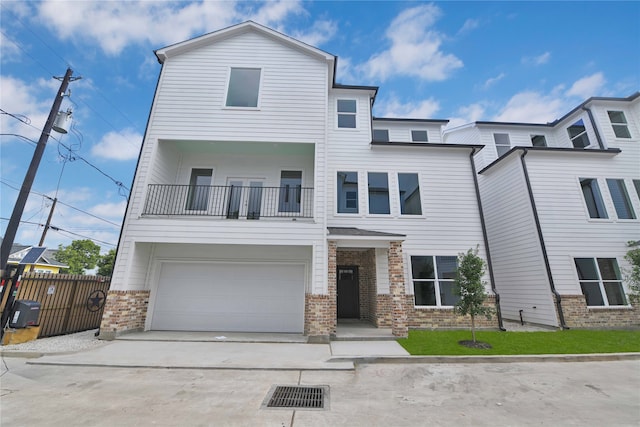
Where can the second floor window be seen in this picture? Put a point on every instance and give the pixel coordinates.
(244, 87)
(409, 190)
(378, 193)
(502, 143)
(347, 192)
(578, 135)
(620, 198)
(347, 113)
(381, 135)
(619, 124)
(593, 198)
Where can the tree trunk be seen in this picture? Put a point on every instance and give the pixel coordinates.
(473, 327)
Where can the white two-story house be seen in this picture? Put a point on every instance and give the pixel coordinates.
(268, 199)
(561, 201)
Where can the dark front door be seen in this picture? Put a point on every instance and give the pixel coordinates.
(348, 292)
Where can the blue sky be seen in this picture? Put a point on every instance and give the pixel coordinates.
(462, 61)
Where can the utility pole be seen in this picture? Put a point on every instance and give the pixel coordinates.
(18, 209)
(48, 224)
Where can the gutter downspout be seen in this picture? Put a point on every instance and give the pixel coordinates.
(563, 325)
(486, 240)
(595, 129)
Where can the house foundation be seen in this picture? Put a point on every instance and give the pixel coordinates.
(578, 315)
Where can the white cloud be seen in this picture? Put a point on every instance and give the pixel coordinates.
(113, 25)
(424, 109)
(532, 107)
(122, 145)
(415, 48)
(10, 50)
(345, 71)
(469, 25)
(491, 81)
(110, 210)
(319, 33)
(537, 60)
(588, 86)
(467, 114)
(19, 98)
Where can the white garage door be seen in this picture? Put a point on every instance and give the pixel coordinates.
(241, 297)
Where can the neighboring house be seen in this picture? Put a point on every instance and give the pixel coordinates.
(561, 201)
(260, 202)
(268, 199)
(45, 264)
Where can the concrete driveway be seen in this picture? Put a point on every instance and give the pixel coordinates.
(482, 394)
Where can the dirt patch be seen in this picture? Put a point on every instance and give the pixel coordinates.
(478, 344)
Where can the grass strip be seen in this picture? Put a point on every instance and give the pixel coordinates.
(573, 341)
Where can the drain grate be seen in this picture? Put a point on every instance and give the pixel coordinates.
(298, 397)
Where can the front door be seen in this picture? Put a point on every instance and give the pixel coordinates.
(348, 292)
(245, 198)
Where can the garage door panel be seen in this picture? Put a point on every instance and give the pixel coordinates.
(230, 297)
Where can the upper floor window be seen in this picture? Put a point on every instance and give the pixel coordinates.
(378, 183)
(636, 184)
(290, 191)
(347, 192)
(502, 143)
(347, 113)
(244, 87)
(600, 281)
(538, 141)
(199, 188)
(409, 190)
(619, 124)
(593, 198)
(578, 134)
(433, 280)
(419, 136)
(620, 198)
(381, 135)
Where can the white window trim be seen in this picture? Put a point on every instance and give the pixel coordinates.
(436, 281)
(337, 199)
(592, 141)
(634, 209)
(546, 140)
(260, 87)
(418, 130)
(585, 208)
(613, 125)
(603, 293)
(354, 114)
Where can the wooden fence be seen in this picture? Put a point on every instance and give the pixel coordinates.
(68, 303)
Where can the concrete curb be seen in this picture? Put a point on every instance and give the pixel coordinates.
(348, 366)
(590, 357)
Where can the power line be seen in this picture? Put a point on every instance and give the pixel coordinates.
(62, 230)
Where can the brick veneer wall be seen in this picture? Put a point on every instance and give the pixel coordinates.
(578, 315)
(433, 318)
(399, 325)
(320, 309)
(124, 311)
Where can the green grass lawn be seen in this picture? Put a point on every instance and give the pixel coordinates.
(440, 343)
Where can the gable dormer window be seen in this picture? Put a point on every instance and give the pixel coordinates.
(578, 134)
(381, 135)
(347, 113)
(244, 87)
(619, 124)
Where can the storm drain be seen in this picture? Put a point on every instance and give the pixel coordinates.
(297, 397)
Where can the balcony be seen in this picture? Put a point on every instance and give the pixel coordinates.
(230, 202)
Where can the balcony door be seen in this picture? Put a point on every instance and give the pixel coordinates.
(244, 198)
(199, 188)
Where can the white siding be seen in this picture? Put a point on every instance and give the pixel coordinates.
(518, 263)
(401, 131)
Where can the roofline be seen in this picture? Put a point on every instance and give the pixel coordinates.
(398, 119)
(162, 56)
(487, 123)
(550, 149)
(477, 147)
(629, 98)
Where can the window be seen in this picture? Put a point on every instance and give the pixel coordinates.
(347, 192)
(620, 198)
(290, 191)
(636, 184)
(578, 134)
(346, 113)
(433, 280)
(600, 281)
(619, 124)
(381, 135)
(409, 190)
(244, 87)
(419, 136)
(378, 193)
(538, 141)
(592, 198)
(199, 186)
(502, 143)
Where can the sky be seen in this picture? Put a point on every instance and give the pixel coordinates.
(455, 60)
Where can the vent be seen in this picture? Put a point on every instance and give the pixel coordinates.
(297, 397)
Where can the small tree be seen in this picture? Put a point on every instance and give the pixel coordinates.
(470, 287)
(633, 275)
(79, 255)
(105, 263)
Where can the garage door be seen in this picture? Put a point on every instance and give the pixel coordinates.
(241, 297)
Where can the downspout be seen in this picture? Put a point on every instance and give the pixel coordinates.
(486, 240)
(595, 128)
(563, 325)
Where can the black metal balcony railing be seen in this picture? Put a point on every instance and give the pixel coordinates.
(230, 202)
